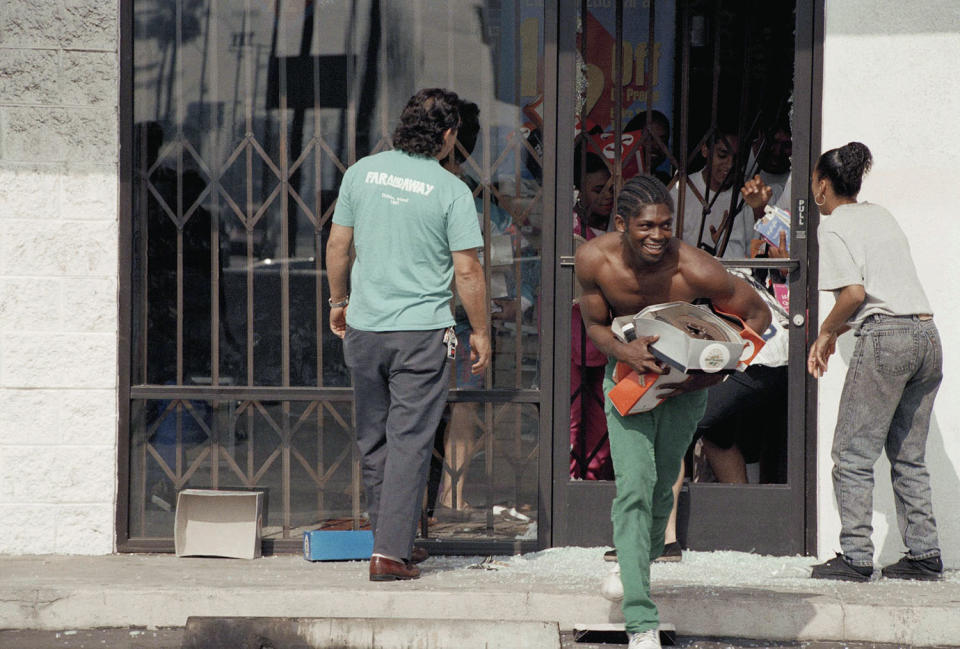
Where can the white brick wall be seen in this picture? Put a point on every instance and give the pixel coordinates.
(58, 275)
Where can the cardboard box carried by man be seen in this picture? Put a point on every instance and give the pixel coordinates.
(692, 338)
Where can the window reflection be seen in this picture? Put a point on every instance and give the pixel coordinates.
(246, 116)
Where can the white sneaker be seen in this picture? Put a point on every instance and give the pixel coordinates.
(612, 587)
(649, 639)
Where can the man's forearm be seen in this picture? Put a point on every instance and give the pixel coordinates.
(603, 339)
(338, 265)
(759, 321)
(473, 297)
(338, 260)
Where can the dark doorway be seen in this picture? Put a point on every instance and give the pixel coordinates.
(711, 94)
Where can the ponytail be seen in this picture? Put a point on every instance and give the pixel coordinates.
(845, 167)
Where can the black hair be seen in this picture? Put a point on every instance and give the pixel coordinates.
(592, 163)
(845, 167)
(722, 133)
(639, 192)
(424, 120)
(469, 129)
(639, 121)
(780, 122)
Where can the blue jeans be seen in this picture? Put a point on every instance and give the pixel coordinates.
(887, 399)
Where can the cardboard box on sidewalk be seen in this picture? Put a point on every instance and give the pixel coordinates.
(337, 545)
(214, 523)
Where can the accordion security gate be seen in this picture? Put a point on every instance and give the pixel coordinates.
(238, 120)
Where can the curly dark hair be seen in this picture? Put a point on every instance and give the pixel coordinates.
(426, 117)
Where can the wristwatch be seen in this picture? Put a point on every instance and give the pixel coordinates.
(337, 305)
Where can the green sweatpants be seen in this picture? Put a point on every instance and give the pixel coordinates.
(647, 449)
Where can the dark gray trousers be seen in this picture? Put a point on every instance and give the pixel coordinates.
(400, 382)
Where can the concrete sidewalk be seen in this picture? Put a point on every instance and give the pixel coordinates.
(708, 594)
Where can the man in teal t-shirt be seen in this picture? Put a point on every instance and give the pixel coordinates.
(415, 231)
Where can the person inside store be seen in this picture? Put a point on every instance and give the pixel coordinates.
(653, 143)
(413, 228)
(709, 197)
(770, 160)
(639, 264)
(746, 416)
(893, 376)
(513, 290)
(589, 447)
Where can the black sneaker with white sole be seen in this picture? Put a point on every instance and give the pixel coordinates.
(841, 569)
(671, 552)
(921, 569)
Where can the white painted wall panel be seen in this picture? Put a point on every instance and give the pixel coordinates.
(890, 82)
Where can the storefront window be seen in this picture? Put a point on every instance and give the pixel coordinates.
(246, 115)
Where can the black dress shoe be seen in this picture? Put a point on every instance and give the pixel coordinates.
(384, 569)
(419, 555)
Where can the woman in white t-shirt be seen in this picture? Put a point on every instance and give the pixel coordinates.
(894, 373)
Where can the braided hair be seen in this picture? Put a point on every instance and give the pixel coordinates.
(845, 167)
(639, 192)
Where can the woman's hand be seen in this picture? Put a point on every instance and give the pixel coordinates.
(821, 350)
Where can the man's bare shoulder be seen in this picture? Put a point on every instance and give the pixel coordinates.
(701, 271)
(596, 252)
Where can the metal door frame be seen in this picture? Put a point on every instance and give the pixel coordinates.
(716, 508)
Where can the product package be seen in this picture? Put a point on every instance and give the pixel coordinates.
(692, 338)
(773, 222)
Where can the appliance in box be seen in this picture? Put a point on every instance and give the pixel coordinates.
(692, 338)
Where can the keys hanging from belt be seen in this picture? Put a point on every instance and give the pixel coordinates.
(450, 340)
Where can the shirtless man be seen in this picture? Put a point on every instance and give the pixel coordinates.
(621, 272)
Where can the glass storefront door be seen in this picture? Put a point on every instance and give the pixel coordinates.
(241, 118)
(704, 96)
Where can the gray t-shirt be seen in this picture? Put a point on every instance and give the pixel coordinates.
(861, 243)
